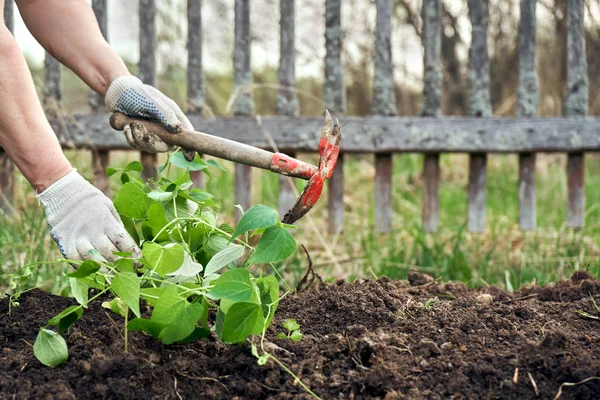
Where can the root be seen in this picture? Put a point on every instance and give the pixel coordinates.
(309, 278)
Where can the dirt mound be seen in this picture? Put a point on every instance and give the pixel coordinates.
(368, 339)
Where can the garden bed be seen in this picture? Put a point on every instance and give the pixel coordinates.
(368, 339)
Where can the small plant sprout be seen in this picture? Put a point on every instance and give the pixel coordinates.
(293, 331)
(585, 314)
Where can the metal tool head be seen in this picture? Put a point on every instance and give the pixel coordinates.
(329, 149)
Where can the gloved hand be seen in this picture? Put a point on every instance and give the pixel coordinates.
(128, 95)
(81, 218)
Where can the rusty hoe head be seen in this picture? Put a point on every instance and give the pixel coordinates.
(329, 149)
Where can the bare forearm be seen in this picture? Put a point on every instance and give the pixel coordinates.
(24, 131)
(68, 30)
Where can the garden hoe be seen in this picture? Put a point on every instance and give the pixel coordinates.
(329, 148)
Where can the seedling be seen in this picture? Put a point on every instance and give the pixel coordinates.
(293, 331)
(584, 314)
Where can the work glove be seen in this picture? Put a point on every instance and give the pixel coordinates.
(81, 218)
(128, 95)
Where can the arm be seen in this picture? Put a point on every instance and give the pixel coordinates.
(68, 30)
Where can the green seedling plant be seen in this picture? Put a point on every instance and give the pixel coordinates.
(585, 314)
(190, 264)
(293, 331)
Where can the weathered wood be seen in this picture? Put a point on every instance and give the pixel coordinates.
(432, 107)
(334, 96)
(479, 106)
(576, 104)
(9, 17)
(527, 107)
(287, 99)
(374, 134)
(527, 198)
(53, 82)
(101, 12)
(383, 103)
(195, 75)
(243, 188)
(335, 200)
(383, 193)
(243, 104)
(431, 199)
(100, 160)
(147, 68)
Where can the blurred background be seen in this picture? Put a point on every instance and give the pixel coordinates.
(501, 255)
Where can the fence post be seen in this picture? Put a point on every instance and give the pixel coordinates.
(244, 104)
(432, 107)
(576, 104)
(7, 168)
(100, 158)
(335, 100)
(527, 107)
(287, 99)
(383, 103)
(479, 106)
(195, 77)
(147, 66)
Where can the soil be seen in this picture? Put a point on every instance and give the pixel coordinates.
(369, 339)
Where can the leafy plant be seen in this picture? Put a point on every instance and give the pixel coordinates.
(190, 264)
(293, 331)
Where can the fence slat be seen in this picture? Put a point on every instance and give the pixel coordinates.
(576, 104)
(383, 103)
(287, 99)
(334, 96)
(147, 67)
(243, 104)
(432, 107)
(479, 106)
(53, 82)
(100, 158)
(7, 168)
(527, 107)
(195, 74)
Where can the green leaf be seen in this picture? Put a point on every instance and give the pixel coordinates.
(269, 295)
(134, 166)
(163, 259)
(79, 290)
(184, 323)
(201, 197)
(296, 336)
(50, 348)
(234, 285)
(168, 305)
(116, 305)
(151, 294)
(161, 196)
(131, 201)
(291, 325)
(213, 163)
(145, 325)
(127, 286)
(66, 318)
(226, 228)
(156, 221)
(130, 228)
(124, 265)
(228, 255)
(179, 161)
(241, 321)
(88, 267)
(111, 171)
(281, 335)
(258, 216)
(276, 244)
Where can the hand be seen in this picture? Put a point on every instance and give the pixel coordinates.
(127, 94)
(81, 218)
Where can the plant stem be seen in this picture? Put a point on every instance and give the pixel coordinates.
(126, 330)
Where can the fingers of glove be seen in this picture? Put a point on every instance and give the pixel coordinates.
(189, 155)
(165, 112)
(137, 136)
(83, 247)
(120, 238)
(105, 247)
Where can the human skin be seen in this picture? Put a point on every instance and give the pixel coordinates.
(68, 30)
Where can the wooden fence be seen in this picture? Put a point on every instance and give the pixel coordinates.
(384, 133)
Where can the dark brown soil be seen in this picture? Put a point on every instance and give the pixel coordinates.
(369, 339)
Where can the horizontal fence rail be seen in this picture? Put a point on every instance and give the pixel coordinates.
(383, 133)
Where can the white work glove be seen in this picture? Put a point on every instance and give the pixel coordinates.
(81, 218)
(129, 95)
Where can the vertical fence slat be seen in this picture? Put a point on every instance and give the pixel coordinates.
(287, 99)
(432, 107)
(479, 106)
(576, 104)
(383, 103)
(53, 82)
(147, 66)
(335, 100)
(195, 74)
(527, 107)
(7, 168)
(100, 158)
(243, 105)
